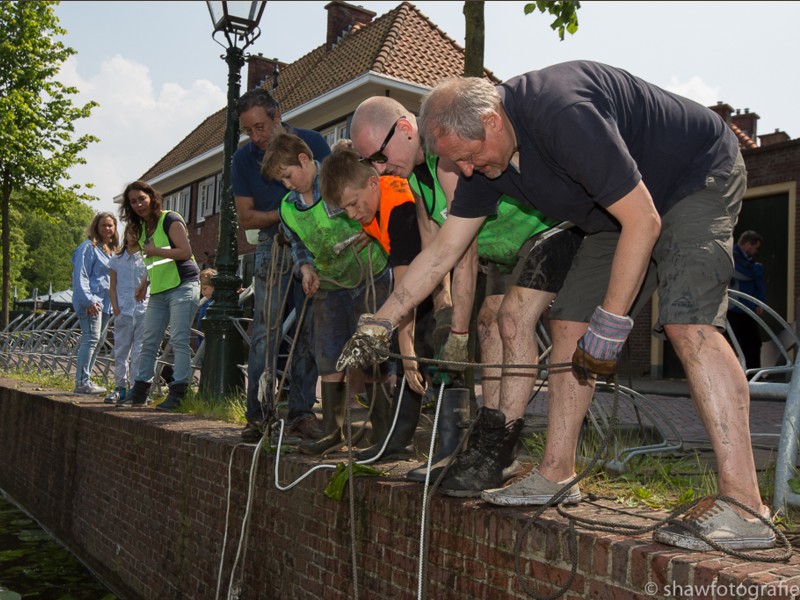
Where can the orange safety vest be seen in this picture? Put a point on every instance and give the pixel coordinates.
(394, 192)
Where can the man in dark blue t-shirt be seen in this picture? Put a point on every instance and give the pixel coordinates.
(257, 201)
(656, 181)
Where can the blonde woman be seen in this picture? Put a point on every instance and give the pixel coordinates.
(90, 297)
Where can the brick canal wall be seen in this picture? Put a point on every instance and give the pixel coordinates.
(142, 499)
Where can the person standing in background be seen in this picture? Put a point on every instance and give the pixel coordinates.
(748, 278)
(127, 273)
(174, 281)
(257, 202)
(90, 298)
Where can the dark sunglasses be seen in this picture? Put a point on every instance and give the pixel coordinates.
(379, 157)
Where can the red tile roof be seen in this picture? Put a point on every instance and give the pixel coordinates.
(403, 44)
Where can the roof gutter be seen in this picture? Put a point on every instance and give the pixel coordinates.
(371, 77)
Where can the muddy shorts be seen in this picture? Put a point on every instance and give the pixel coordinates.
(546, 258)
(691, 264)
(336, 314)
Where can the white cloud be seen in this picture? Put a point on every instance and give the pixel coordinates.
(695, 89)
(137, 124)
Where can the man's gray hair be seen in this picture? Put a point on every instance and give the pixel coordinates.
(455, 106)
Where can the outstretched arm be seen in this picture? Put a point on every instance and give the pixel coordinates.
(429, 267)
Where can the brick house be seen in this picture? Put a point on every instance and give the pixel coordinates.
(403, 54)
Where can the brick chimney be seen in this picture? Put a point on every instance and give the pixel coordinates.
(261, 72)
(747, 122)
(723, 110)
(774, 138)
(342, 17)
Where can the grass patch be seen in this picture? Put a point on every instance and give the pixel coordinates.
(46, 380)
(660, 481)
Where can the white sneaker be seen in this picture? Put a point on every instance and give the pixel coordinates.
(715, 519)
(90, 389)
(532, 490)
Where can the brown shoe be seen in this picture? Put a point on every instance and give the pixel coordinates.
(251, 434)
(306, 428)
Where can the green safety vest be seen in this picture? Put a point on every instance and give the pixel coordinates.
(502, 234)
(162, 272)
(321, 233)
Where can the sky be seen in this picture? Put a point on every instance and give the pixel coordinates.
(157, 73)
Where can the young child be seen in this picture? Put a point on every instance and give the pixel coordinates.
(206, 292)
(344, 271)
(127, 271)
(387, 211)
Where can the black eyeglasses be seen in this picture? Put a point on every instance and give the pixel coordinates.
(379, 157)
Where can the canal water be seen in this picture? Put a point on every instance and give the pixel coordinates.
(35, 566)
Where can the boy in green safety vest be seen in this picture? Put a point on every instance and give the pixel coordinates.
(344, 271)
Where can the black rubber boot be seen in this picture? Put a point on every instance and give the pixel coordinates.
(139, 392)
(490, 448)
(379, 396)
(409, 406)
(176, 393)
(333, 407)
(452, 424)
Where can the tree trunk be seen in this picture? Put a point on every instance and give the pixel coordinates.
(6, 235)
(474, 38)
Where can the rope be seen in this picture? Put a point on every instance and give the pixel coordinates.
(590, 524)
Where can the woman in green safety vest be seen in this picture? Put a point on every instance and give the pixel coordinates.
(174, 280)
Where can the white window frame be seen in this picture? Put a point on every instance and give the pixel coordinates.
(206, 198)
(335, 133)
(218, 195)
(179, 202)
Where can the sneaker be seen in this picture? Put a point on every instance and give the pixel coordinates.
(532, 490)
(251, 434)
(89, 389)
(306, 428)
(115, 396)
(125, 401)
(716, 520)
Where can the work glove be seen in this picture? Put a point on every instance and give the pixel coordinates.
(369, 345)
(442, 321)
(600, 347)
(454, 350)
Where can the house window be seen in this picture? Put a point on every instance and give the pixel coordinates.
(218, 195)
(179, 202)
(335, 133)
(206, 198)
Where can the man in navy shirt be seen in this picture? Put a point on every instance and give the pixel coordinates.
(257, 201)
(656, 181)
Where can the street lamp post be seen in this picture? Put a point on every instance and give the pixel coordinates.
(221, 375)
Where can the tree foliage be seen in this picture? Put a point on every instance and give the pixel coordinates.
(38, 144)
(54, 240)
(565, 13)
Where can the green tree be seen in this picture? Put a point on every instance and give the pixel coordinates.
(36, 120)
(19, 256)
(54, 239)
(565, 13)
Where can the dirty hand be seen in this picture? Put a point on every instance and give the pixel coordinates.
(413, 376)
(454, 350)
(369, 344)
(600, 346)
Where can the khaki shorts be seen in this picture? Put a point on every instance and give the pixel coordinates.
(691, 264)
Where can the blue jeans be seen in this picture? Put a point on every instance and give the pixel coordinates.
(268, 295)
(92, 327)
(176, 308)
